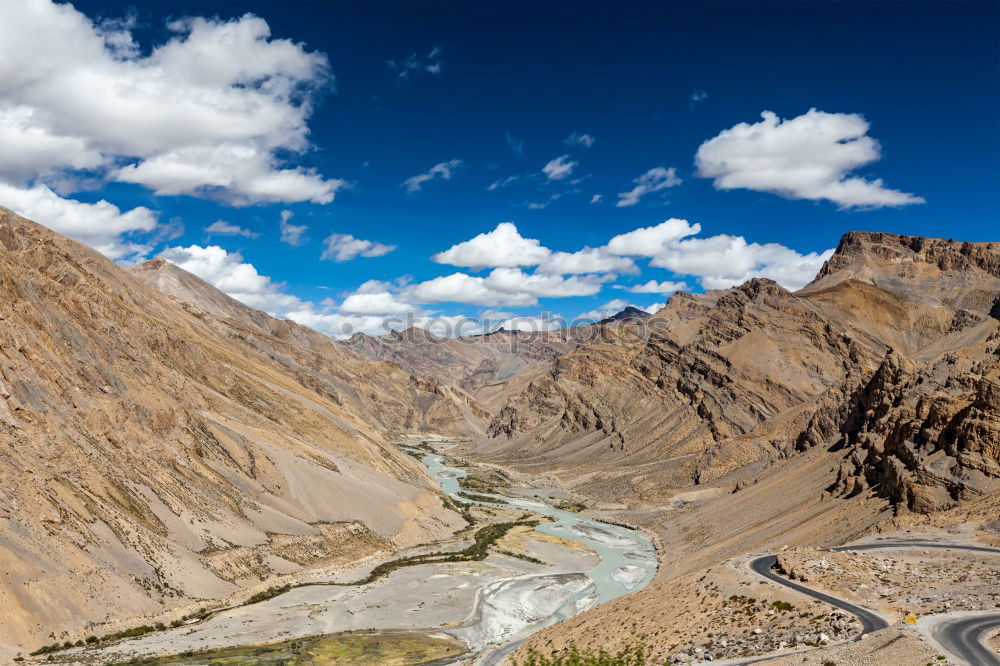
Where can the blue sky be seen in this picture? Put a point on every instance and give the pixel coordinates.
(325, 111)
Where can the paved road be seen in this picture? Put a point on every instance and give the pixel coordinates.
(870, 621)
(959, 636)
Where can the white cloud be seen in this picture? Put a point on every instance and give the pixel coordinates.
(229, 273)
(344, 247)
(654, 287)
(807, 157)
(101, 225)
(31, 148)
(502, 183)
(559, 168)
(367, 310)
(587, 260)
(223, 228)
(595, 199)
(241, 174)
(415, 64)
(443, 170)
(381, 302)
(502, 247)
(651, 241)
(503, 286)
(617, 304)
(292, 234)
(207, 113)
(527, 324)
(717, 261)
(654, 180)
(577, 139)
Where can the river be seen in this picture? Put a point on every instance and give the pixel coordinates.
(491, 606)
(499, 625)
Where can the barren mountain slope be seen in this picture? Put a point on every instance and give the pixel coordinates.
(474, 363)
(890, 353)
(492, 366)
(392, 398)
(147, 459)
(754, 419)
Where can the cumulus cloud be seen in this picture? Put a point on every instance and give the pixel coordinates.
(654, 180)
(31, 148)
(595, 199)
(719, 261)
(101, 225)
(502, 247)
(381, 302)
(241, 174)
(223, 228)
(371, 309)
(654, 287)
(651, 241)
(806, 157)
(559, 168)
(578, 139)
(206, 113)
(344, 247)
(503, 286)
(443, 170)
(587, 260)
(229, 273)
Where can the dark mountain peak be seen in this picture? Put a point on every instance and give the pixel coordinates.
(628, 314)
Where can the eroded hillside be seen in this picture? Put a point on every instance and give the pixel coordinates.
(891, 355)
(153, 454)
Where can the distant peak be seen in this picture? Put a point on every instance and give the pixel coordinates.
(630, 313)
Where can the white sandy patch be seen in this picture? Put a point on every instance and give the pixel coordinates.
(629, 575)
(603, 536)
(509, 607)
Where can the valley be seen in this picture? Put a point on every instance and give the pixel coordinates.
(548, 565)
(189, 478)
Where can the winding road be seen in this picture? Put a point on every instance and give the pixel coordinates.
(959, 636)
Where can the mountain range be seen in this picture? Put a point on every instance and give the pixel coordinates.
(164, 443)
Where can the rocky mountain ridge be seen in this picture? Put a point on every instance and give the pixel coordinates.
(890, 355)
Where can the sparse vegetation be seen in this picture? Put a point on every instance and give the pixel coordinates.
(570, 505)
(481, 498)
(633, 654)
(520, 556)
(264, 595)
(352, 648)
